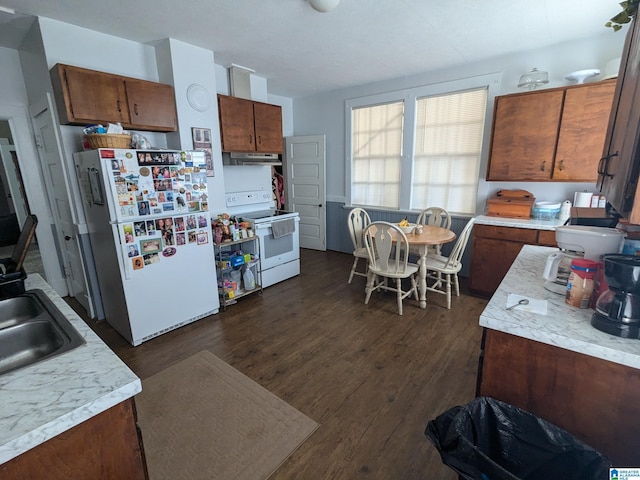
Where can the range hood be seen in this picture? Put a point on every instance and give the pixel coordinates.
(250, 158)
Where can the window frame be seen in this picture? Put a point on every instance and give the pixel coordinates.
(410, 96)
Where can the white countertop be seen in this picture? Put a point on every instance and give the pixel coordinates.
(519, 222)
(43, 400)
(563, 326)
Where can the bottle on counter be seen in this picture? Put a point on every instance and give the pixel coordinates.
(581, 282)
(565, 211)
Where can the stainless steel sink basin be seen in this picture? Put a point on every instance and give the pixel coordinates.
(32, 329)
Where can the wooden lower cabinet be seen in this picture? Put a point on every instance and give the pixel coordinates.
(493, 251)
(595, 400)
(107, 446)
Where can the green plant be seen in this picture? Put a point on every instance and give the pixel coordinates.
(629, 9)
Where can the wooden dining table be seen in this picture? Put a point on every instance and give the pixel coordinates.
(430, 236)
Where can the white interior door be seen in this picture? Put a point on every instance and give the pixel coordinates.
(56, 179)
(306, 190)
(10, 164)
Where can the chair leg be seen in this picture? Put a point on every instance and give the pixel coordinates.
(371, 279)
(448, 282)
(414, 285)
(399, 294)
(457, 284)
(353, 269)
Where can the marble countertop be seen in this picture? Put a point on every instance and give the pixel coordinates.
(563, 326)
(519, 222)
(43, 400)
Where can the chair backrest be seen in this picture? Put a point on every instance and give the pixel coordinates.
(435, 216)
(387, 247)
(358, 220)
(455, 257)
(22, 246)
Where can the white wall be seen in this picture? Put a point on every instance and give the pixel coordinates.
(184, 65)
(324, 113)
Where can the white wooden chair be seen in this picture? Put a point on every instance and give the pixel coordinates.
(358, 220)
(388, 262)
(442, 271)
(437, 217)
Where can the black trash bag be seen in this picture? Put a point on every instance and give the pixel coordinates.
(490, 439)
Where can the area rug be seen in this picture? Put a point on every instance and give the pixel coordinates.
(203, 419)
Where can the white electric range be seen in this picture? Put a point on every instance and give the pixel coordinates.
(277, 232)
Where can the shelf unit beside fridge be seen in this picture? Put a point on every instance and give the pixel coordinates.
(255, 268)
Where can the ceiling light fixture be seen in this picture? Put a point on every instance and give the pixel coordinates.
(324, 5)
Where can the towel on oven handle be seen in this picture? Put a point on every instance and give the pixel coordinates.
(283, 227)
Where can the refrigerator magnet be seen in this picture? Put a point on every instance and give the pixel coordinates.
(169, 252)
(150, 246)
(151, 258)
(203, 238)
(137, 263)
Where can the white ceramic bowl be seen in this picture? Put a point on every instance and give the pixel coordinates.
(408, 229)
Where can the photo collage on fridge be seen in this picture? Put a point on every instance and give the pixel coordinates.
(172, 188)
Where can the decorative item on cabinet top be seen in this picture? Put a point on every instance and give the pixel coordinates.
(533, 79)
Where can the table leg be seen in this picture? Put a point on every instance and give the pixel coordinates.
(422, 283)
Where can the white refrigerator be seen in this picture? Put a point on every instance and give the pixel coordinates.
(150, 232)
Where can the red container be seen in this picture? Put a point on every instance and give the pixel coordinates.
(581, 282)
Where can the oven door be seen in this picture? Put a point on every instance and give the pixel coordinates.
(277, 251)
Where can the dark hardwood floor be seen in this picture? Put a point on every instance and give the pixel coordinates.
(372, 379)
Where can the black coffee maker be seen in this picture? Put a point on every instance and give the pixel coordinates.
(618, 309)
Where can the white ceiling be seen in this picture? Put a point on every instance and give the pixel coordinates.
(303, 52)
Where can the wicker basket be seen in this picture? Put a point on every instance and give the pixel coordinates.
(109, 140)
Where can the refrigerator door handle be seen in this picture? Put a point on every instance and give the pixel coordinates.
(122, 258)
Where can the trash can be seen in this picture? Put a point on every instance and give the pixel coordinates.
(487, 439)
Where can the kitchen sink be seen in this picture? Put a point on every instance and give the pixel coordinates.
(32, 329)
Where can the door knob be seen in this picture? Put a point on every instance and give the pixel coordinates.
(67, 238)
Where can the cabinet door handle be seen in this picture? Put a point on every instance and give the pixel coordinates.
(135, 108)
(603, 169)
(603, 165)
(542, 166)
(260, 139)
(118, 105)
(561, 166)
(251, 139)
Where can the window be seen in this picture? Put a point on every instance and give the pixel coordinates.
(418, 148)
(377, 155)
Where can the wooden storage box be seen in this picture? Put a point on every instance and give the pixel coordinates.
(510, 204)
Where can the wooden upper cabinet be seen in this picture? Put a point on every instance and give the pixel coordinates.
(86, 96)
(525, 130)
(236, 124)
(248, 126)
(550, 135)
(151, 104)
(582, 131)
(268, 124)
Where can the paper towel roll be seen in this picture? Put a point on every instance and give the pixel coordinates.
(582, 199)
